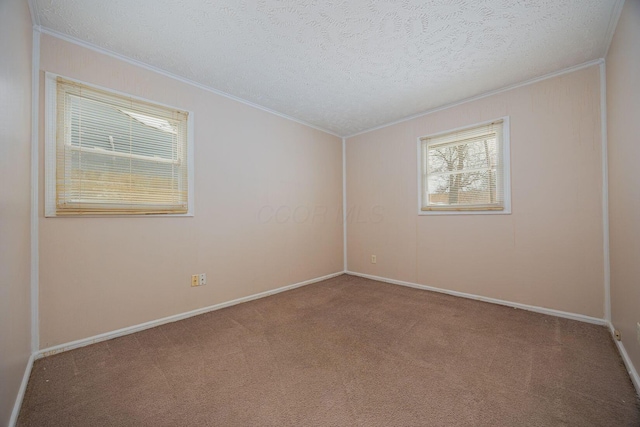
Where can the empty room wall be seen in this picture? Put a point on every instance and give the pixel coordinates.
(15, 200)
(547, 253)
(268, 196)
(623, 126)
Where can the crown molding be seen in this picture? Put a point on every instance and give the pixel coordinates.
(74, 40)
(35, 15)
(96, 48)
(613, 23)
(486, 94)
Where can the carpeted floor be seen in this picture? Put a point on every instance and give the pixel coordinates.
(344, 352)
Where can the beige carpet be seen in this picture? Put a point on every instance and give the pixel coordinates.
(344, 352)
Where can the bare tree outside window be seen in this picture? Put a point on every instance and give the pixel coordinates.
(463, 174)
(463, 169)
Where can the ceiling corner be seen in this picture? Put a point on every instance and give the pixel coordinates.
(35, 16)
(611, 29)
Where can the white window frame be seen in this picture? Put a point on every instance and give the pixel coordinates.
(506, 170)
(50, 165)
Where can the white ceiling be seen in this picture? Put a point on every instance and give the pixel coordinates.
(343, 65)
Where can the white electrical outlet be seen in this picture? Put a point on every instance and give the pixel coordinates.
(373, 259)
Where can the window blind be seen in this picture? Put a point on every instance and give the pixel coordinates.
(118, 155)
(462, 170)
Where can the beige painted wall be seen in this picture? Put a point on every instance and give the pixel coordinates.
(15, 199)
(547, 253)
(623, 126)
(267, 214)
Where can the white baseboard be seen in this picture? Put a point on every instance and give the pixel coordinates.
(23, 387)
(132, 329)
(151, 324)
(543, 310)
(635, 379)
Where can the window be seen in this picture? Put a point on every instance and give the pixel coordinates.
(108, 153)
(466, 170)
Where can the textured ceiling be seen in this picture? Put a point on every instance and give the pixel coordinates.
(343, 65)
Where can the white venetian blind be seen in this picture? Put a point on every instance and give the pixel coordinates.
(118, 155)
(463, 170)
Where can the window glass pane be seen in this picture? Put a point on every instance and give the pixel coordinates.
(471, 188)
(463, 168)
(115, 154)
(97, 124)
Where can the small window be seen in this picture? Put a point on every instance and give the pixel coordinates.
(466, 170)
(109, 153)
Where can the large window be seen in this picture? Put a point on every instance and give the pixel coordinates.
(113, 154)
(466, 170)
